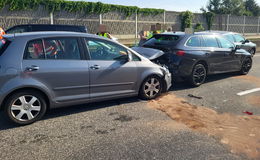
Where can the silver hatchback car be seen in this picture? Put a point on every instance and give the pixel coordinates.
(44, 70)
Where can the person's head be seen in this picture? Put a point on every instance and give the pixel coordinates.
(158, 26)
(146, 28)
(169, 29)
(153, 28)
(102, 28)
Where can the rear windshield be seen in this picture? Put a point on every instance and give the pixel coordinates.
(162, 40)
(3, 45)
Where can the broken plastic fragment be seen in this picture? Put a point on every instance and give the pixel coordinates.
(192, 96)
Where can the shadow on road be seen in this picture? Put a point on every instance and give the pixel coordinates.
(5, 124)
(182, 85)
(59, 112)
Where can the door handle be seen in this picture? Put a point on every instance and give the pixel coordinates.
(32, 68)
(95, 67)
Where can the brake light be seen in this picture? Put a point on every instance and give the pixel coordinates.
(180, 53)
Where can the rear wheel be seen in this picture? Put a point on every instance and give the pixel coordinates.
(246, 66)
(198, 75)
(151, 88)
(25, 107)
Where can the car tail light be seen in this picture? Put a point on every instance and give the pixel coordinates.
(180, 53)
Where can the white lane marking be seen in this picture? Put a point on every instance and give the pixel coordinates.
(248, 91)
(257, 55)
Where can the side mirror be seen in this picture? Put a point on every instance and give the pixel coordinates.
(123, 58)
(234, 49)
(246, 41)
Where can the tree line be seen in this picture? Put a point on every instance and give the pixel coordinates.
(234, 7)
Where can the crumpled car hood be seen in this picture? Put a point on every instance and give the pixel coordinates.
(149, 53)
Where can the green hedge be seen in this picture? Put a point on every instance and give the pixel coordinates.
(76, 6)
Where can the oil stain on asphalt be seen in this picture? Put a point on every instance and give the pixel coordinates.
(241, 133)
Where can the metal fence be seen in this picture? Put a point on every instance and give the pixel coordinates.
(126, 27)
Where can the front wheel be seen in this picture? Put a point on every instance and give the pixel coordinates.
(252, 51)
(25, 107)
(198, 75)
(246, 66)
(151, 88)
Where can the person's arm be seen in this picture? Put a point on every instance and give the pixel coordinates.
(142, 35)
(109, 36)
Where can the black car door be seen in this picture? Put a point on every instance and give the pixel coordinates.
(213, 53)
(231, 58)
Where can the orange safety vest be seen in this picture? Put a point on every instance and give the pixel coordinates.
(2, 32)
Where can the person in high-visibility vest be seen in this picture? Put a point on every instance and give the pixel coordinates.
(2, 32)
(103, 33)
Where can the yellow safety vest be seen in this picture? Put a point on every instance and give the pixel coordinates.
(103, 35)
(149, 34)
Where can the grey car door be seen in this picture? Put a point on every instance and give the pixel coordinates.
(58, 64)
(110, 72)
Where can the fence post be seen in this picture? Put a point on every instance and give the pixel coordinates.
(100, 18)
(51, 18)
(244, 25)
(228, 22)
(136, 26)
(164, 16)
(258, 25)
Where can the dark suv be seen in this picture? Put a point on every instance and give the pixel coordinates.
(45, 27)
(194, 56)
(238, 39)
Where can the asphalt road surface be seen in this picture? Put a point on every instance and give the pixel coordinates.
(131, 129)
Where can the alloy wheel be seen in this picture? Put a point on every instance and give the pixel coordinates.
(25, 108)
(247, 65)
(199, 74)
(152, 87)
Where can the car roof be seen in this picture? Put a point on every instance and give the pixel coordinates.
(218, 32)
(184, 34)
(35, 35)
(47, 25)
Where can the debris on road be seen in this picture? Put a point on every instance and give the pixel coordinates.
(248, 113)
(241, 133)
(192, 96)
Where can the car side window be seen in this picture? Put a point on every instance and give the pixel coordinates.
(53, 48)
(239, 38)
(193, 41)
(225, 43)
(61, 48)
(135, 57)
(34, 50)
(230, 37)
(105, 50)
(210, 41)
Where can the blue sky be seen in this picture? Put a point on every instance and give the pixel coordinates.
(171, 5)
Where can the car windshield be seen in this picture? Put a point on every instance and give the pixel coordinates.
(162, 40)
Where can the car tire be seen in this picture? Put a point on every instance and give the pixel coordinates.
(198, 75)
(151, 88)
(246, 66)
(25, 107)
